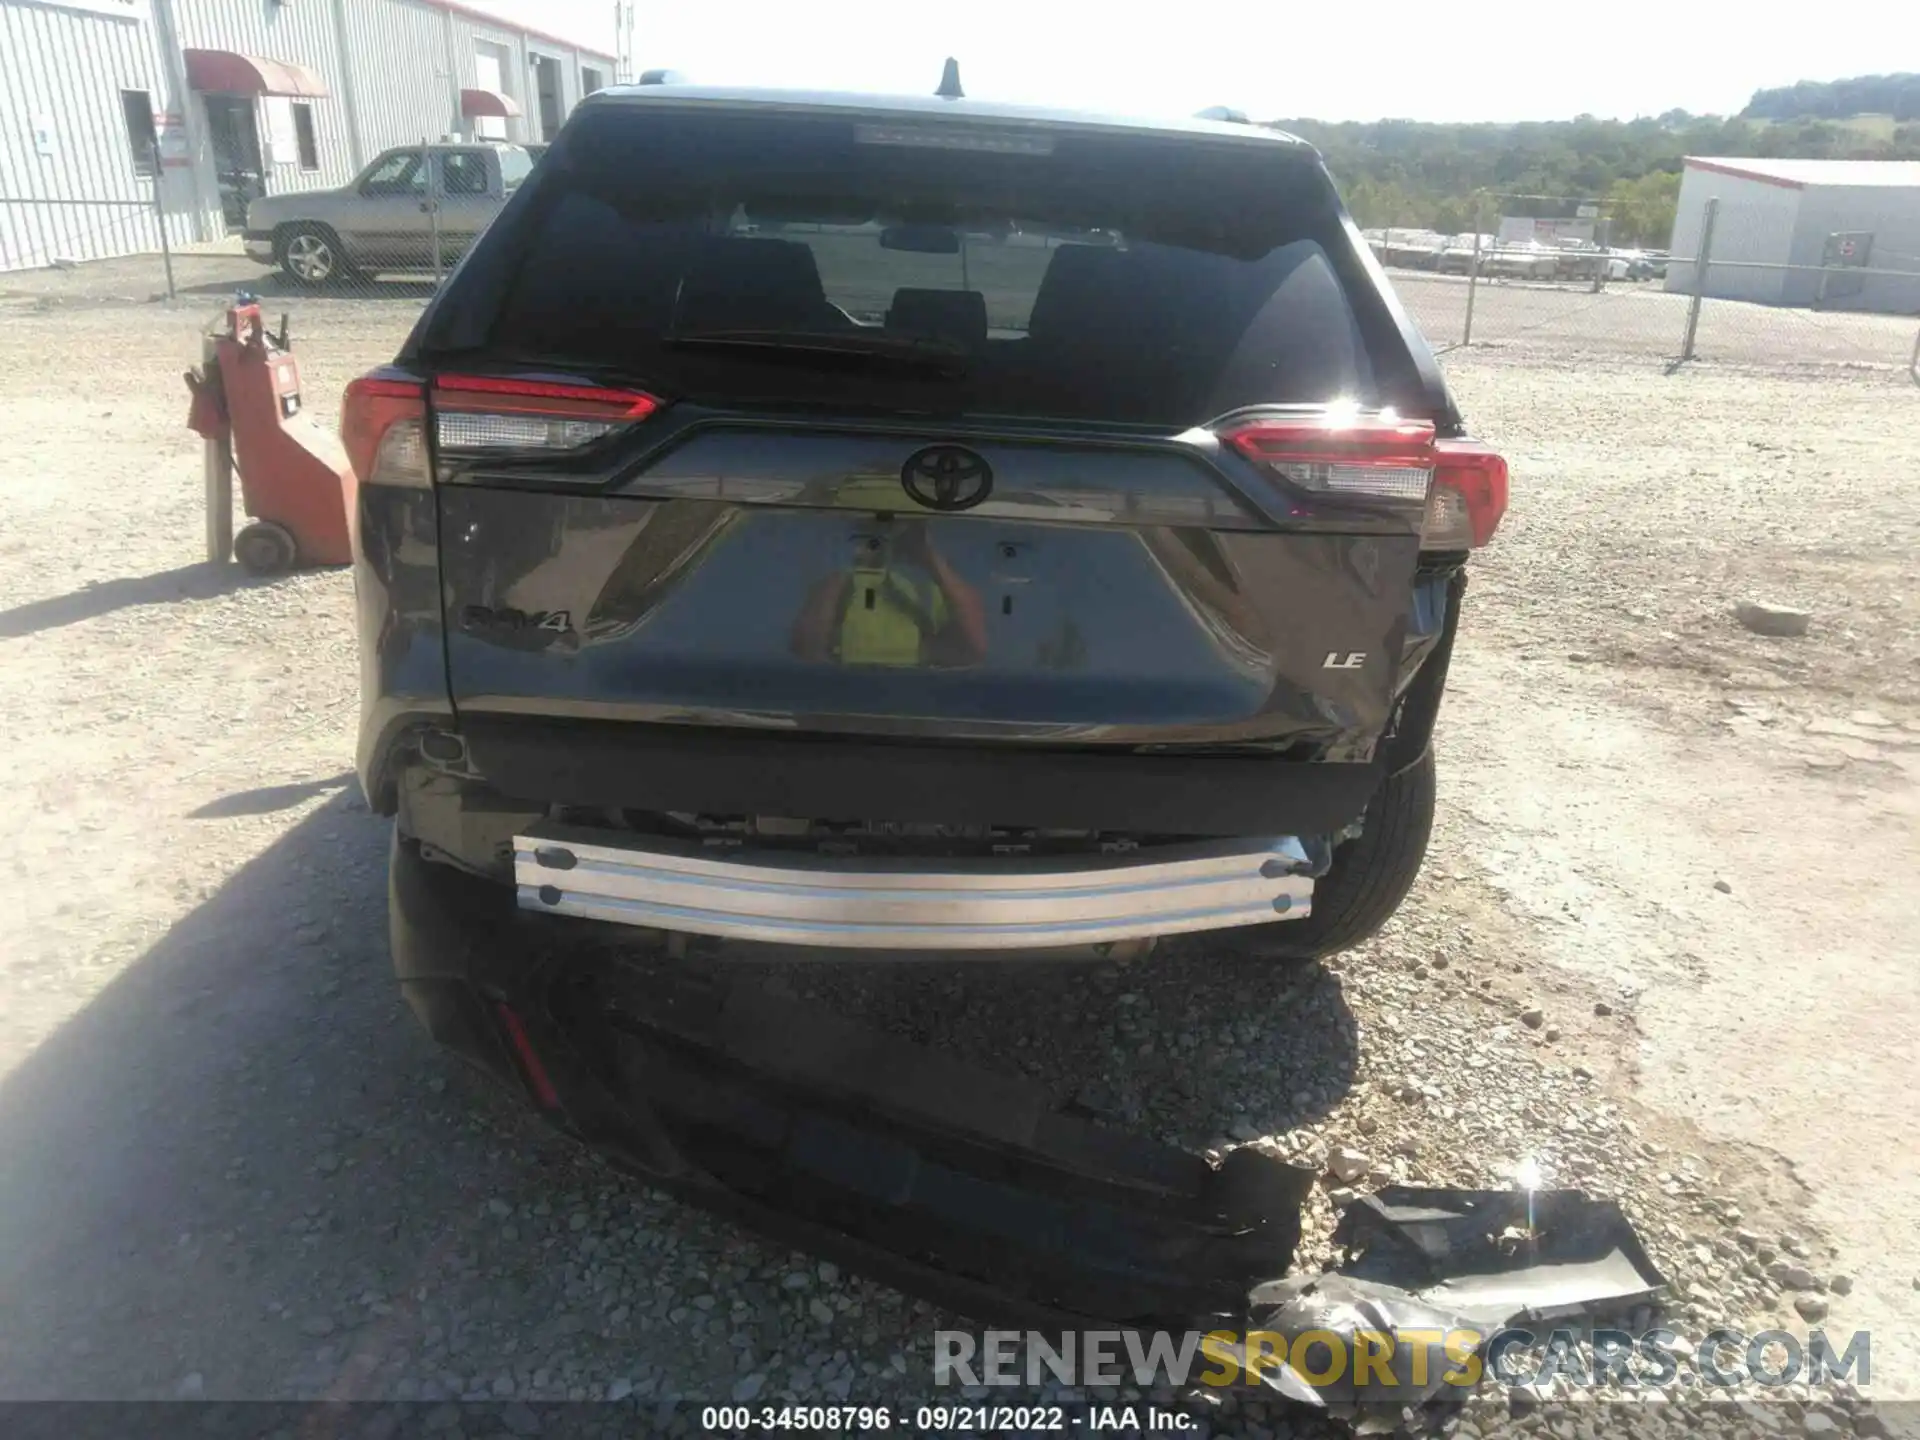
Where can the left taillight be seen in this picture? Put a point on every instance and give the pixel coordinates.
(383, 426)
(486, 414)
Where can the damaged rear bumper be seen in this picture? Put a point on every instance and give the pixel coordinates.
(964, 1186)
(961, 1185)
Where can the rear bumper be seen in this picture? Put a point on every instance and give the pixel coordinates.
(959, 1184)
(683, 767)
(988, 904)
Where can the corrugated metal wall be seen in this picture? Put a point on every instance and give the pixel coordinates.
(303, 33)
(403, 89)
(84, 200)
(409, 60)
(1891, 214)
(1753, 225)
(465, 31)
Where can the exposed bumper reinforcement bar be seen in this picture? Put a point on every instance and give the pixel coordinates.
(960, 904)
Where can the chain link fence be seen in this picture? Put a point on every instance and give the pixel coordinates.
(1589, 303)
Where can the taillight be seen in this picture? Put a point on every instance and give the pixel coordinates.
(1343, 453)
(477, 414)
(382, 426)
(1381, 456)
(1468, 498)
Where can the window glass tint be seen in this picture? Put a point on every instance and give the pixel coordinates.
(515, 165)
(137, 106)
(397, 174)
(1111, 278)
(463, 172)
(304, 137)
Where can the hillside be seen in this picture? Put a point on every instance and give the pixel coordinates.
(1895, 96)
(1444, 177)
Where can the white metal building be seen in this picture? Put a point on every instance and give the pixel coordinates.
(216, 100)
(1842, 234)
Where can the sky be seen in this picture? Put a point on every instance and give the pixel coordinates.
(1517, 60)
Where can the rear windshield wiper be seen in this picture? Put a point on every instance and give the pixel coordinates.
(915, 352)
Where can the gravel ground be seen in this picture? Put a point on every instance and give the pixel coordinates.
(235, 1170)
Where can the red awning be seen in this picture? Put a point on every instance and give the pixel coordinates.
(226, 72)
(488, 102)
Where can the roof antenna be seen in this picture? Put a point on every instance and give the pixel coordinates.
(950, 82)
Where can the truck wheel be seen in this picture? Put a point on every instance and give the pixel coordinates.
(264, 548)
(310, 255)
(1371, 875)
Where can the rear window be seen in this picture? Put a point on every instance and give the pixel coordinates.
(1118, 278)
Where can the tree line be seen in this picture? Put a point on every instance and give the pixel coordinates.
(1455, 178)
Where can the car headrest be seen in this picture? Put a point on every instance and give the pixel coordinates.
(948, 314)
(1077, 292)
(741, 282)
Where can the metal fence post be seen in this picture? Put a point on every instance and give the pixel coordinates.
(1473, 284)
(160, 211)
(433, 206)
(1700, 262)
(217, 464)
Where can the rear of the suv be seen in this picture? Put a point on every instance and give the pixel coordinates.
(910, 526)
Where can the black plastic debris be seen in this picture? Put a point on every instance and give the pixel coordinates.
(1429, 1278)
(1499, 1256)
(960, 1184)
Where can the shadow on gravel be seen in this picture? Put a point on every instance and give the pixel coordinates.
(269, 798)
(242, 1171)
(188, 582)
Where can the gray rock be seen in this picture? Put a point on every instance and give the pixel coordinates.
(1244, 1129)
(748, 1388)
(1723, 887)
(1792, 1277)
(1816, 1423)
(1767, 617)
(1811, 1307)
(620, 1389)
(1347, 1165)
(520, 1420)
(1841, 1284)
(1533, 1017)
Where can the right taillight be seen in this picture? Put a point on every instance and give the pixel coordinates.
(1468, 497)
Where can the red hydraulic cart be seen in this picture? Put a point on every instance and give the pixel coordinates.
(295, 481)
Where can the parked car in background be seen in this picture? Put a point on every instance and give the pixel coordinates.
(1455, 256)
(1406, 249)
(1521, 260)
(389, 216)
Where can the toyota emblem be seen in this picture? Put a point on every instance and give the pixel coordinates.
(947, 477)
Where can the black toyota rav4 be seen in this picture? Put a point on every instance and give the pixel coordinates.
(904, 526)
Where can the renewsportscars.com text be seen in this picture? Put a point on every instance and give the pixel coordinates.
(1383, 1361)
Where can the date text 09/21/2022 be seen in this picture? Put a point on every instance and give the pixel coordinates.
(1023, 1419)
